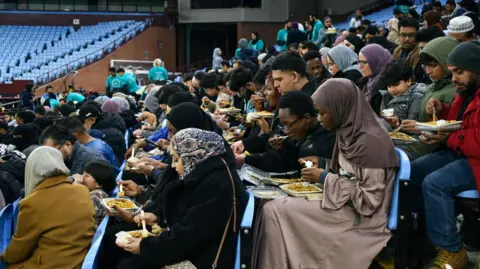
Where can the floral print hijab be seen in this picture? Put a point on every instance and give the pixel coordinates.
(194, 146)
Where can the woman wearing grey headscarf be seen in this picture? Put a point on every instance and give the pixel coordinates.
(101, 99)
(217, 59)
(55, 222)
(343, 63)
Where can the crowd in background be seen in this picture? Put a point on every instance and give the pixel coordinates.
(319, 95)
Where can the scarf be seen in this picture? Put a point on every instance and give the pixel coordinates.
(377, 58)
(43, 162)
(111, 107)
(194, 146)
(357, 126)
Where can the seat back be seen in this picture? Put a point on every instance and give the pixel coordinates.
(6, 220)
(245, 227)
(16, 210)
(403, 174)
(91, 259)
(471, 194)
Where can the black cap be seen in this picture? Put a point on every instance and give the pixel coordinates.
(88, 111)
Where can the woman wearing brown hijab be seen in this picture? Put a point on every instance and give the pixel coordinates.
(348, 228)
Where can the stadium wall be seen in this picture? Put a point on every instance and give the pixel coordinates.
(142, 47)
(66, 18)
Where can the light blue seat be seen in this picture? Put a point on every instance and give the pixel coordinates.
(403, 176)
(16, 210)
(91, 260)
(245, 228)
(6, 222)
(471, 194)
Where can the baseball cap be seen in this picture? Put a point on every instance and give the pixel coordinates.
(88, 111)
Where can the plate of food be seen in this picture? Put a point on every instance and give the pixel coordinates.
(123, 203)
(300, 189)
(401, 138)
(267, 192)
(281, 181)
(230, 110)
(439, 125)
(261, 114)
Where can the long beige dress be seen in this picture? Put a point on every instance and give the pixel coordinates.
(329, 234)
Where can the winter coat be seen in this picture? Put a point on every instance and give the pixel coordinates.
(114, 128)
(466, 141)
(406, 106)
(12, 178)
(55, 227)
(196, 210)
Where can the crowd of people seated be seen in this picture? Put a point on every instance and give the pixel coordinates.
(327, 105)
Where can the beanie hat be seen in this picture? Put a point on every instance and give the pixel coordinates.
(460, 24)
(243, 43)
(466, 56)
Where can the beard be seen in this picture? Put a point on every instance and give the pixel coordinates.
(471, 87)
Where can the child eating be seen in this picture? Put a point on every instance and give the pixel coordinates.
(99, 177)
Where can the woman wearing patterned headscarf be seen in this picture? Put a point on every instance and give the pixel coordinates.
(353, 213)
(55, 221)
(373, 59)
(209, 200)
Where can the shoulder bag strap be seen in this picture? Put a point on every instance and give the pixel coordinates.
(234, 213)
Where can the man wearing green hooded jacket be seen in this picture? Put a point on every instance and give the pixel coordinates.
(434, 58)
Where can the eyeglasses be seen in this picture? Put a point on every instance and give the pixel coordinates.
(286, 128)
(363, 62)
(410, 36)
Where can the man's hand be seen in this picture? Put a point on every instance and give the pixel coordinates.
(149, 218)
(78, 179)
(163, 144)
(240, 160)
(238, 147)
(122, 214)
(434, 103)
(394, 121)
(143, 168)
(436, 138)
(222, 124)
(263, 124)
(130, 188)
(313, 159)
(276, 143)
(132, 246)
(410, 126)
(312, 175)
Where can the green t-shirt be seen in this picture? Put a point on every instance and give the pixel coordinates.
(158, 73)
(115, 82)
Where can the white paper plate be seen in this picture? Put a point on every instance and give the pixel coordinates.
(300, 194)
(446, 127)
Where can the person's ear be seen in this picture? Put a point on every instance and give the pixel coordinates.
(295, 77)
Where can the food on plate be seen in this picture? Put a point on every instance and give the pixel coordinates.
(139, 234)
(156, 229)
(300, 187)
(121, 203)
(267, 194)
(287, 181)
(401, 136)
(440, 122)
(229, 110)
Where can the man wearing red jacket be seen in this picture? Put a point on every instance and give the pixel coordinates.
(456, 168)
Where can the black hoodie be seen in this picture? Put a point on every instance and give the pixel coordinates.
(113, 126)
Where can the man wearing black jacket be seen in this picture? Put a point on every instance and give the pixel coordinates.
(289, 73)
(307, 139)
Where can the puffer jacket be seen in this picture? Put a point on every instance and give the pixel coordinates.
(12, 178)
(407, 105)
(114, 128)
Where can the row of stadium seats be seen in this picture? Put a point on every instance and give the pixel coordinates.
(381, 17)
(45, 53)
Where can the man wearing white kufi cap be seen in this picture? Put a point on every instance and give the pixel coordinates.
(462, 29)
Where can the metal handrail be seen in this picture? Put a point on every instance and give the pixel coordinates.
(86, 56)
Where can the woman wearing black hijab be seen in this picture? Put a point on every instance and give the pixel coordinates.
(189, 115)
(25, 135)
(355, 43)
(183, 116)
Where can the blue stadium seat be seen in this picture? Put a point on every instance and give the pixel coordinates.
(245, 229)
(403, 175)
(91, 259)
(6, 222)
(471, 194)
